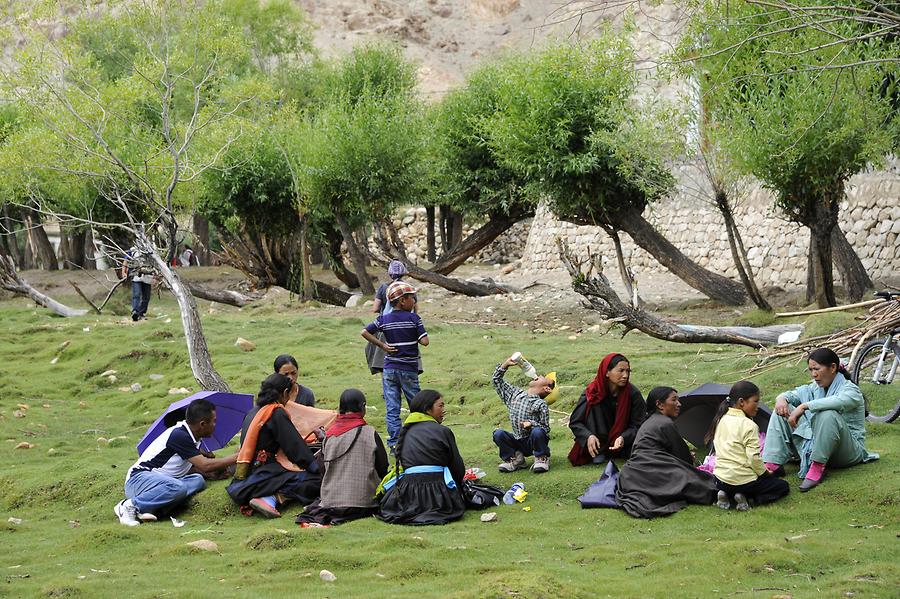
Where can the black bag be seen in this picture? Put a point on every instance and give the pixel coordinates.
(479, 497)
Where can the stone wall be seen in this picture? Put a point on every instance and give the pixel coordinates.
(412, 223)
(777, 249)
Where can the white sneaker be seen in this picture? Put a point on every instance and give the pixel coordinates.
(127, 513)
(541, 464)
(146, 517)
(722, 500)
(740, 502)
(517, 462)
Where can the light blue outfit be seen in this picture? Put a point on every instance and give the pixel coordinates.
(831, 431)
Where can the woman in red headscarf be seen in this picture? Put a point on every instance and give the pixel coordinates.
(606, 418)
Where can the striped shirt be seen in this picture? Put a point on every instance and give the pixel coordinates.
(401, 330)
(521, 405)
(169, 453)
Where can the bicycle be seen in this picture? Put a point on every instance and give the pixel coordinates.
(875, 369)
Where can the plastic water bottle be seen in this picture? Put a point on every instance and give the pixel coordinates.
(510, 497)
(525, 365)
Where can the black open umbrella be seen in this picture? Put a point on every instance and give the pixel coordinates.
(698, 408)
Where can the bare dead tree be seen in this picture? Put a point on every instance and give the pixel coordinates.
(70, 105)
(11, 281)
(589, 281)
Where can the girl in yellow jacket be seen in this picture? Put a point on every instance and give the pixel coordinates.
(741, 475)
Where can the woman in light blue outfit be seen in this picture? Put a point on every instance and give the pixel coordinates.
(820, 423)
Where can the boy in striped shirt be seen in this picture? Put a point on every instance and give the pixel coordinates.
(403, 333)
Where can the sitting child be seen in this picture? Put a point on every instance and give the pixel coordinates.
(530, 420)
(740, 473)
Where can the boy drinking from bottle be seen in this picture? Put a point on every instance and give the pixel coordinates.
(530, 420)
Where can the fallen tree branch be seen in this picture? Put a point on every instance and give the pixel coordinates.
(393, 249)
(11, 281)
(83, 296)
(589, 281)
(864, 304)
(222, 296)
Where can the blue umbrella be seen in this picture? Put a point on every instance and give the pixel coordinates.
(231, 408)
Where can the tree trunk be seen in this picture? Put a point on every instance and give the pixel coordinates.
(445, 224)
(811, 272)
(198, 352)
(644, 235)
(200, 227)
(65, 250)
(76, 247)
(496, 225)
(8, 232)
(393, 247)
(853, 273)
(595, 288)
(456, 232)
(222, 296)
(11, 281)
(738, 253)
(429, 234)
(307, 288)
(823, 271)
(623, 268)
(41, 243)
(336, 261)
(28, 257)
(356, 256)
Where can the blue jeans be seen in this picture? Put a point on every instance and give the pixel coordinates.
(537, 443)
(140, 297)
(156, 493)
(393, 382)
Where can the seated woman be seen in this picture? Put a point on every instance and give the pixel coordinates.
(820, 423)
(355, 462)
(260, 482)
(428, 490)
(606, 418)
(660, 478)
(287, 365)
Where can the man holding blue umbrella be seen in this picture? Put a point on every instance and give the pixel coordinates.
(172, 468)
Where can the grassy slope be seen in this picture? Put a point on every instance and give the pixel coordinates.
(555, 550)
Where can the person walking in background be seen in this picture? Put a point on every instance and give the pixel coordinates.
(740, 473)
(374, 354)
(403, 332)
(139, 268)
(529, 417)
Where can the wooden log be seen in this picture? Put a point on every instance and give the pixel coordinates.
(831, 309)
(11, 281)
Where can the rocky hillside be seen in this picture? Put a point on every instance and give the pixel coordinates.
(446, 38)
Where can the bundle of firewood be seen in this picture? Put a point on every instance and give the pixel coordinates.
(878, 321)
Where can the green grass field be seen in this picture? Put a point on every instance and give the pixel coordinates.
(839, 540)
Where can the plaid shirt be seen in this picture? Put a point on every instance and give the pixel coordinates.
(521, 405)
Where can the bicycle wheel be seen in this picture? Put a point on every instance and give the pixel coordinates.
(882, 398)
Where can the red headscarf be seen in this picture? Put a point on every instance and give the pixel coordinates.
(596, 392)
(345, 423)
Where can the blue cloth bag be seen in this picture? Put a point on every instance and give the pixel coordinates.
(602, 493)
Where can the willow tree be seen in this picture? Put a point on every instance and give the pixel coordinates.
(572, 126)
(125, 99)
(469, 178)
(802, 113)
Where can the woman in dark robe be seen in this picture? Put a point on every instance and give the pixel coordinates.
(660, 478)
(261, 482)
(606, 418)
(428, 489)
(355, 462)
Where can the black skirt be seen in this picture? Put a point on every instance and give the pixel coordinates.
(421, 499)
(272, 478)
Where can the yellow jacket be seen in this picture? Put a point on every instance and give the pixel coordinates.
(737, 449)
